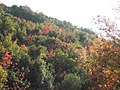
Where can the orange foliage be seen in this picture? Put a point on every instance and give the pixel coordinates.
(105, 68)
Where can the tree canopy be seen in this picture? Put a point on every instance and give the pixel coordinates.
(38, 52)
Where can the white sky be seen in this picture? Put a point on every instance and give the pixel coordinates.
(78, 12)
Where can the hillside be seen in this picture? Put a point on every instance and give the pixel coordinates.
(43, 53)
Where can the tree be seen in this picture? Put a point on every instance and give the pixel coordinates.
(109, 27)
(71, 82)
(105, 65)
(105, 53)
(40, 76)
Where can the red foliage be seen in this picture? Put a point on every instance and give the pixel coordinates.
(6, 60)
(46, 29)
(16, 83)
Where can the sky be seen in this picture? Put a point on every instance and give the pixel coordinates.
(78, 12)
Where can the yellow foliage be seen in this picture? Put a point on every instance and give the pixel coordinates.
(3, 74)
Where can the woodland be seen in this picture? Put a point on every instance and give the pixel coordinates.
(38, 52)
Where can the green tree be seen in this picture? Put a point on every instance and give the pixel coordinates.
(71, 82)
(40, 76)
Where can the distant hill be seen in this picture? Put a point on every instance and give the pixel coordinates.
(25, 12)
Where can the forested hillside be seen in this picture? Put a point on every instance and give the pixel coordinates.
(38, 52)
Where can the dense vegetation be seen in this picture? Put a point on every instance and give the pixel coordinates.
(38, 52)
